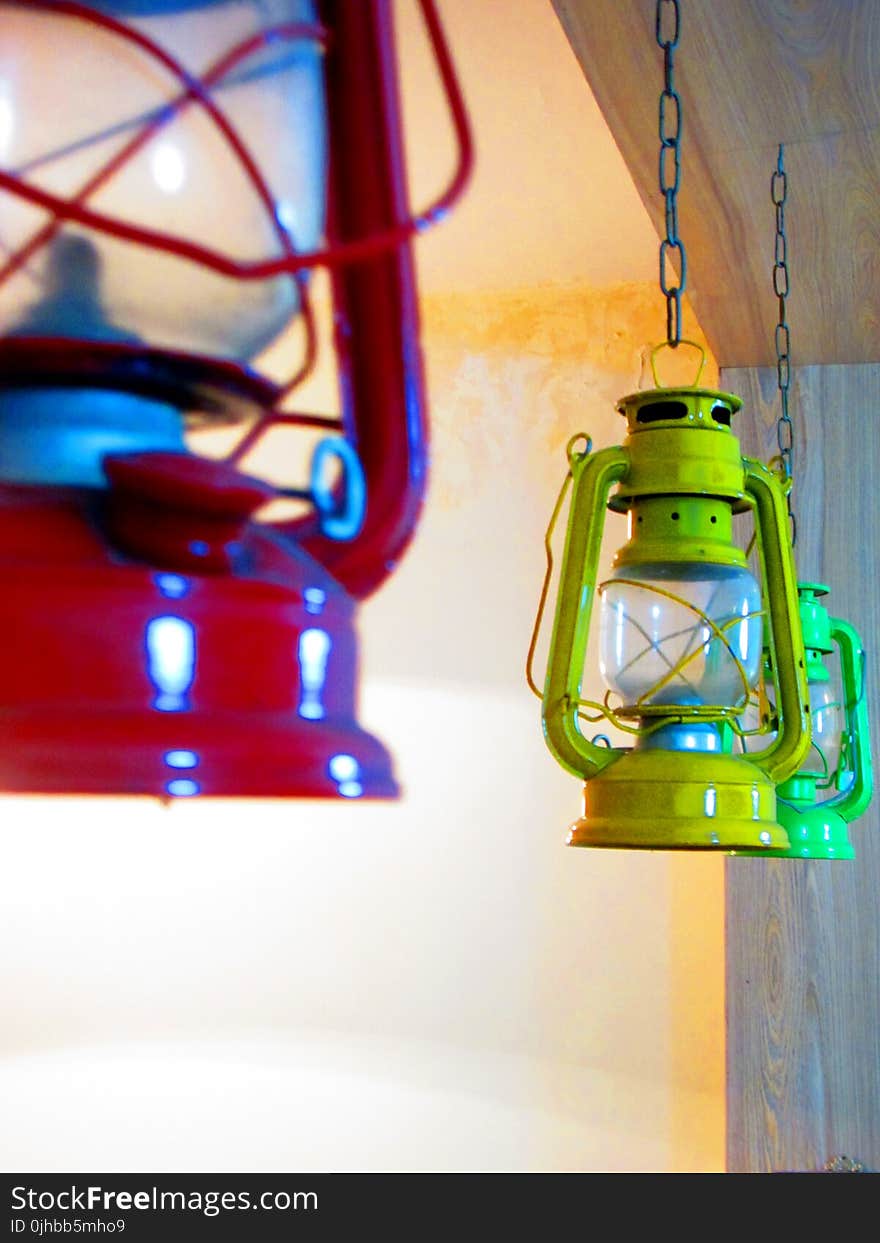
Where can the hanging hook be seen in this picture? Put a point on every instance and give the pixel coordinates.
(669, 345)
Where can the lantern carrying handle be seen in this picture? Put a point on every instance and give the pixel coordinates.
(852, 802)
(666, 345)
(593, 476)
(787, 753)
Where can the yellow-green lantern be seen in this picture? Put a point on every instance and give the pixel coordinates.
(682, 629)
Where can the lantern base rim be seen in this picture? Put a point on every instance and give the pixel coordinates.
(173, 756)
(814, 833)
(726, 836)
(667, 800)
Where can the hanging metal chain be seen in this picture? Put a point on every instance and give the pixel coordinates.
(670, 177)
(784, 425)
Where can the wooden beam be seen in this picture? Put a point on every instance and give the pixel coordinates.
(803, 936)
(752, 74)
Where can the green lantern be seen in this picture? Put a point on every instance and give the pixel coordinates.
(682, 631)
(839, 758)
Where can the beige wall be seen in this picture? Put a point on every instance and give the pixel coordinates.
(435, 984)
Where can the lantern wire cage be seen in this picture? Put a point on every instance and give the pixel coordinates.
(642, 709)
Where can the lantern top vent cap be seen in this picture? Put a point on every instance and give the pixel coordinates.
(707, 409)
(815, 618)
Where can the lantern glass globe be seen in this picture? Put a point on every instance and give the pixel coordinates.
(681, 634)
(116, 133)
(827, 724)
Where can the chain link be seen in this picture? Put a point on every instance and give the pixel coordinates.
(782, 335)
(670, 125)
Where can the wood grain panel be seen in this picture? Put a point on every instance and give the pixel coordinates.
(752, 74)
(803, 938)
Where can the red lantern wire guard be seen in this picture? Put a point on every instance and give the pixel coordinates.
(157, 639)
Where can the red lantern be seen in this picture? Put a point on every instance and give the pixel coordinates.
(159, 635)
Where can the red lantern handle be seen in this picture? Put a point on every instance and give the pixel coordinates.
(376, 310)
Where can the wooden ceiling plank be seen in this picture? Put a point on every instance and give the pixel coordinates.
(752, 73)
